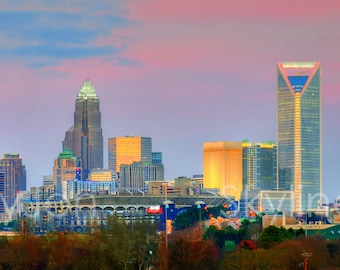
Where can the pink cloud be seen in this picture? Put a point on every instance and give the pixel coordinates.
(217, 10)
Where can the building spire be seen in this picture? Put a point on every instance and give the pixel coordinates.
(87, 91)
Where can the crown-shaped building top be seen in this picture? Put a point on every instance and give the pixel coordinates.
(66, 154)
(87, 91)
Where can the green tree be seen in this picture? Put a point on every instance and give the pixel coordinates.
(273, 234)
(187, 218)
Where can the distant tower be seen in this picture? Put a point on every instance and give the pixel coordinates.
(85, 138)
(12, 178)
(299, 131)
(222, 167)
(128, 149)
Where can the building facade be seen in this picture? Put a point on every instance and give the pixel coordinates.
(134, 177)
(12, 179)
(75, 189)
(102, 175)
(266, 201)
(299, 131)
(222, 167)
(259, 166)
(85, 138)
(67, 167)
(128, 149)
(157, 157)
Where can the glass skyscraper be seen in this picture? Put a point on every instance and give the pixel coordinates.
(85, 138)
(299, 132)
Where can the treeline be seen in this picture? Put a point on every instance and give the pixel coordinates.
(115, 246)
(139, 246)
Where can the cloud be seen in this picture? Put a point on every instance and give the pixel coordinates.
(54, 36)
(231, 10)
(85, 6)
(57, 51)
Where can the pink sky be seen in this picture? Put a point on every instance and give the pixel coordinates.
(183, 72)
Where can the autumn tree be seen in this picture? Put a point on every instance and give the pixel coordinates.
(195, 255)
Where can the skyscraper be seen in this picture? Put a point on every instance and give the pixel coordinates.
(222, 167)
(12, 178)
(299, 131)
(128, 149)
(85, 138)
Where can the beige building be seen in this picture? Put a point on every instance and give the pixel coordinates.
(66, 167)
(222, 167)
(179, 186)
(100, 175)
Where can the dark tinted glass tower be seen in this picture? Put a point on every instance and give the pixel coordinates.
(299, 131)
(85, 137)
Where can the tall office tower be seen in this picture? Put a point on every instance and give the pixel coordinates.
(259, 166)
(66, 167)
(134, 177)
(128, 149)
(222, 167)
(12, 178)
(85, 138)
(299, 131)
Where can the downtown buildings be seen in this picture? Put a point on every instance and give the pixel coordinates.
(233, 167)
(294, 165)
(229, 166)
(132, 158)
(84, 140)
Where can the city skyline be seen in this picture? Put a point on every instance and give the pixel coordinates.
(183, 73)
